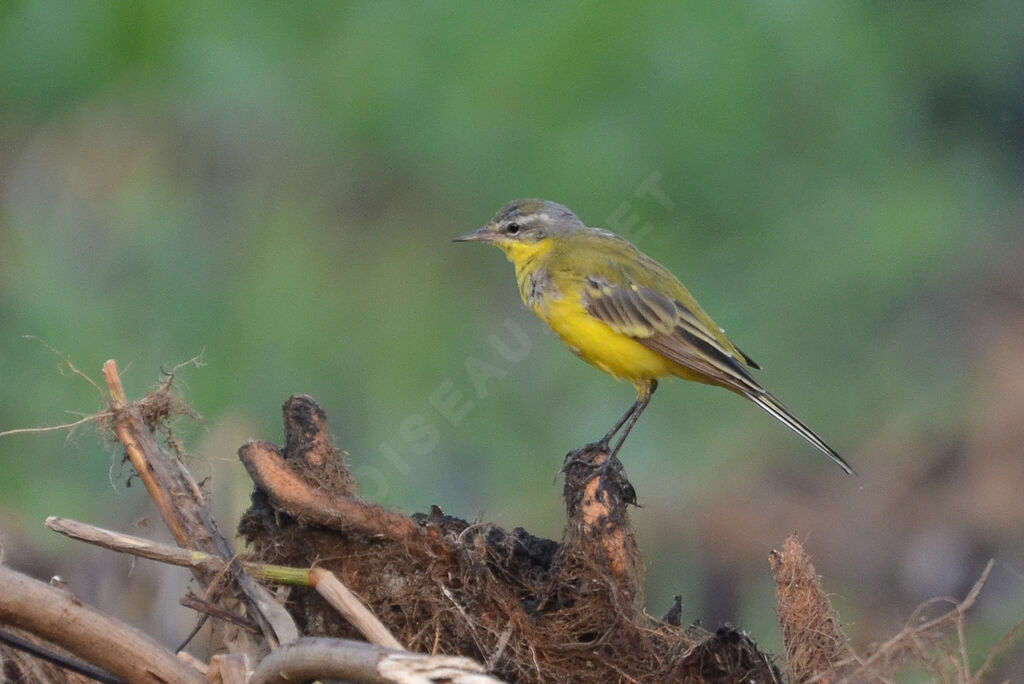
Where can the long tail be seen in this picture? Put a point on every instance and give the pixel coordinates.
(775, 408)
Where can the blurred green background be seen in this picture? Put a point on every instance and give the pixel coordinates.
(274, 187)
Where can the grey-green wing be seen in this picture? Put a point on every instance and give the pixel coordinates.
(630, 298)
(668, 327)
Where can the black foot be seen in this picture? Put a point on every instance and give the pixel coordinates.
(597, 458)
(586, 454)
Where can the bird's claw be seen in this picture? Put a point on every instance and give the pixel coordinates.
(610, 470)
(586, 454)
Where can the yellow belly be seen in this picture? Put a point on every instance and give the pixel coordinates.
(596, 343)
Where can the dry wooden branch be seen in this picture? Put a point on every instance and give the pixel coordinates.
(214, 610)
(173, 555)
(356, 661)
(290, 492)
(58, 616)
(997, 650)
(325, 582)
(138, 440)
(349, 605)
(230, 668)
(184, 509)
(912, 636)
(136, 546)
(25, 668)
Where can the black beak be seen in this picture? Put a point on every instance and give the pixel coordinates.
(481, 234)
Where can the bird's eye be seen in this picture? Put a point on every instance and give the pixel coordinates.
(512, 228)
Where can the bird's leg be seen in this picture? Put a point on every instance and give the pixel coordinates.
(644, 393)
(605, 441)
(626, 423)
(603, 444)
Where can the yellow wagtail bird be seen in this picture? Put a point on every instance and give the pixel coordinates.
(621, 311)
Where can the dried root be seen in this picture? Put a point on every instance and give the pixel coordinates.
(531, 609)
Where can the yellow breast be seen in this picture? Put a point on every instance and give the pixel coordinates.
(599, 345)
(556, 297)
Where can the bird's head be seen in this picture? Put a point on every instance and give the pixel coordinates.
(521, 226)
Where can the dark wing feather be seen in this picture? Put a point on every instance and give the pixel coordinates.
(746, 359)
(669, 328)
(693, 347)
(635, 311)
